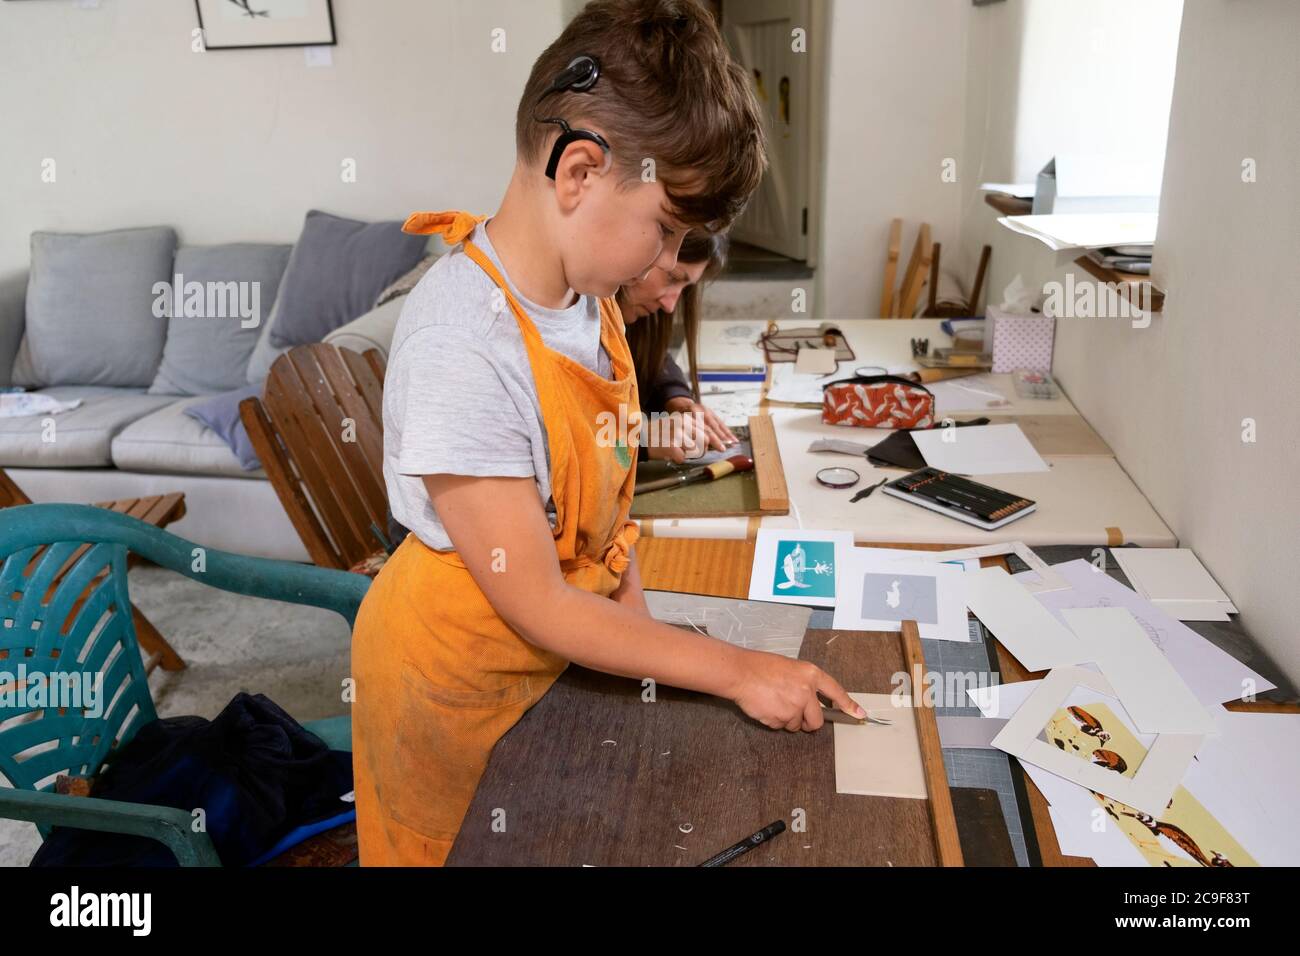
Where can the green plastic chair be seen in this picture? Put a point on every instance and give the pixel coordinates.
(46, 627)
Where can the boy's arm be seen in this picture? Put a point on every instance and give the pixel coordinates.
(530, 594)
(629, 592)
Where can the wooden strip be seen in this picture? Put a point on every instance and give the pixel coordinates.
(287, 487)
(364, 457)
(947, 841)
(697, 566)
(152, 641)
(311, 447)
(891, 268)
(773, 495)
(918, 270)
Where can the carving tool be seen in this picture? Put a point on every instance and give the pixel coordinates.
(719, 469)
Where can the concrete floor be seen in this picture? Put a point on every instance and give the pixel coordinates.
(297, 656)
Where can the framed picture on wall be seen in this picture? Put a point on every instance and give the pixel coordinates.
(248, 24)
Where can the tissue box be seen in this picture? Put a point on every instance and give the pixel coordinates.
(1020, 340)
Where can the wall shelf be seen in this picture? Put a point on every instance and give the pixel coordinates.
(1129, 283)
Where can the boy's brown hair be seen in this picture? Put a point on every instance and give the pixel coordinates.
(669, 91)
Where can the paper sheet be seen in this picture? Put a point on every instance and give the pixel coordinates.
(968, 733)
(1169, 574)
(733, 406)
(876, 761)
(967, 394)
(1049, 732)
(1153, 694)
(1086, 230)
(878, 592)
(1196, 610)
(1213, 675)
(788, 384)
(797, 566)
(1019, 622)
(1040, 577)
(979, 450)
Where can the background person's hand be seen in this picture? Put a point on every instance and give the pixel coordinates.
(719, 436)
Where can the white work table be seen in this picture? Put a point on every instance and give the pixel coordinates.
(1081, 500)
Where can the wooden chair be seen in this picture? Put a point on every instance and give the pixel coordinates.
(958, 308)
(318, 429)
(157, 510)
(48, 555)
(901, 303)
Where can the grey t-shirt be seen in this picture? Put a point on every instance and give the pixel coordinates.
(459, 396)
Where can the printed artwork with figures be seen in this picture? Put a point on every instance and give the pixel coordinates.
(806, 568)
(1185, 834)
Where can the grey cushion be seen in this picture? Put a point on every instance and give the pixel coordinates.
(13, 316)
(82, 438)
(264, 354)
(208, 353)
(90, 308)
(337, 270)
(173, 439)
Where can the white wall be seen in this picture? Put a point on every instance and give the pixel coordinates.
(1170, 399)
(1096, 77)
(896, 105)
(239, 144)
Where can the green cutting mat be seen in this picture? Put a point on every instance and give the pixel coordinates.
(734, 495)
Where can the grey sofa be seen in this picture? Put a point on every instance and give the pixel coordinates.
(125, 442)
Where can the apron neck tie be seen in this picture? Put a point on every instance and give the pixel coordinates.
(454, 227)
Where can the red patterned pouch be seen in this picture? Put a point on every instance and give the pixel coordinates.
(877, 401)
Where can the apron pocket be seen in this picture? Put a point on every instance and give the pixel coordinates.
(441, 748)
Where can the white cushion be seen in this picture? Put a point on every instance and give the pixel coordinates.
(168, 440)
(374, 330)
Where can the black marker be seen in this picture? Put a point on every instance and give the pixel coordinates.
(747, 844)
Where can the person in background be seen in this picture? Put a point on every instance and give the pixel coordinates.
(650, 306)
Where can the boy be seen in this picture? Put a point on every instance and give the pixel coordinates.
(504, 364)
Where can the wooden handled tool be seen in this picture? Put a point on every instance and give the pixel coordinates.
(719, 469)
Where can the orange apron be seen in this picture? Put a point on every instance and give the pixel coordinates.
(440, 677)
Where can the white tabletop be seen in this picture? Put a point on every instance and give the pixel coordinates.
(1079, 500)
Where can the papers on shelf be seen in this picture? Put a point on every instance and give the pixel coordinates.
(1086, 230)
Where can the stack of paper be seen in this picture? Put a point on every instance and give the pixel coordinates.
(1176, 582)
(1233, 804)
(1140, 763)
(1086, 230)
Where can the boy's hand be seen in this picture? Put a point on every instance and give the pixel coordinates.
(782, 694)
